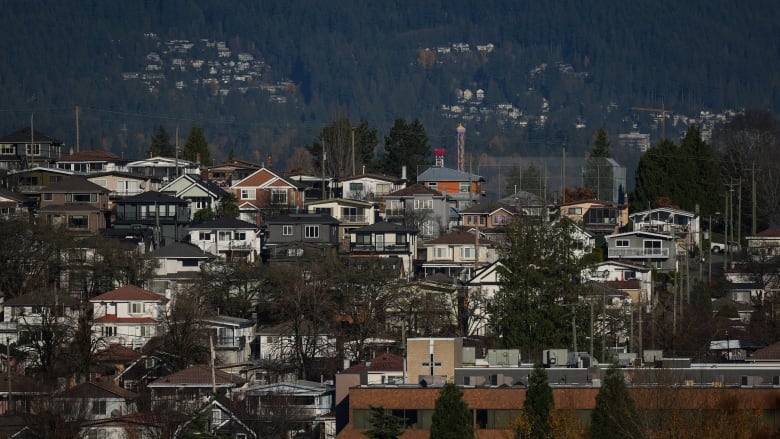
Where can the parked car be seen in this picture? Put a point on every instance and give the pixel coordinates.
(719, 247)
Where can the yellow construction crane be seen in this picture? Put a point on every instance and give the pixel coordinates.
(662, 111)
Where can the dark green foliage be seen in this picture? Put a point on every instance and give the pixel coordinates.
(451, 417)
(615, 414)
(539, 403)
(598, 172)
(197, 148)
(384, 425)
(203, 215)
(227, 206)
(406, 145)
(161, 144)
(541, 275)
(601, 144)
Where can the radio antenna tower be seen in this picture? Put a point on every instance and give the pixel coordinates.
(461, 147)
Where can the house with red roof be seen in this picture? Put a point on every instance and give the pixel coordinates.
(187, 389)
(128, 315)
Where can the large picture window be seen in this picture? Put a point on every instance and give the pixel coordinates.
(312, 232)
(78, 222)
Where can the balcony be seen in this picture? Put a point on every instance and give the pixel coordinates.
(354, 219)
(230, 342)
(637, 252)
(379, 248)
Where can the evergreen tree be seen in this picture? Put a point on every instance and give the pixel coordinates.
(405, 145)
(539, 403)
(598, 172)
(615, 414)
(161, 144)
(601, 144)
(197, 148)
(227, 207)
(451, 417)
(383, 424)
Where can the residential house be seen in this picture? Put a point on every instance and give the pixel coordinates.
(351, 214)
(597, 217)
(199, 193)
(305, 403)
(462, 188)
(32, 181)
(385, 368)
(313, 228)
(457, 255)
(481, 289)
(128, 315)
(225, 173)
(228, 238)
(178, 267)
(123, 184)
(265, 194)
(187, 389)
(489, 215)
(165, 215)
(95, 400)
(652, 249)
(92, 161)
(28, 148)
(634, 279)
(668, 221)
(386, 240)
(165, 168)
(114, 359)
(370, 187)
(583, 241)
(421, 208)
(145, 369)
(27, 392)
(277, 343)
(16, 205)
(764, 245)
(75, 204)
(133, 425)
(27, 316)
(220, 422)
(233, 340)
(526, 204)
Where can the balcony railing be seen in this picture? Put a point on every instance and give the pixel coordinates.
(635, 252)
(354, 218)
(379, 248)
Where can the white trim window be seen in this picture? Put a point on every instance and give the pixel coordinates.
(287, 230)
(622, 243)
(423, 203)
(311, 232)
(247, 194)
(467, 252)
(441, 252)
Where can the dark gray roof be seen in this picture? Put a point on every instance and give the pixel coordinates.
(210, 186)
(74, 184)
(384, 226)
(152, 197)
(16, 196)
(522, 199)
(228, 320)
(181, 250)
(446, 174)
(224, 222)
(124, 174)
(295, 218)
(23, 136)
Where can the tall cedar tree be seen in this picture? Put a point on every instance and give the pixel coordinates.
(384, 425)
(539, 403)
(406, 145)
(540, 276)
(161, 144)
(451, 417)
(197, 148)
(615, 414)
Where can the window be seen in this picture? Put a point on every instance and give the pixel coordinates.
(400, 239)
(145, 331)
(239, 236)
(294, 252)
(356, 187)
(136, 308)
(382, 188)
(652, 247)
(109, 331)
(47, 196)
(433, 185)
(628, 275)
(98, 407)
(441, 252)
(423, 204)
(81, 198)
(482, 220)
(278, 196)
(34, 149)
(204, 236)
(7, 149)
(467, 252)
(622, 243)
(78, 222)
(312, 232)
(427, 228)
(287, 230)
(202, 203)
(464, 186)
(247, 194)
(224, 236)
(364, 239)
(216, 417)
(189, 262)
(325, 210)
(575, 211)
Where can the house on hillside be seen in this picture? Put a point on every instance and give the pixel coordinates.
(16, 205)
(28, 148)
(27, 317)
(668, 221)
(318, 229)
(306, 405)
(92, 161)
(75, 204)
(462, 188)
(164, 215)
(764, 245)
(369, 187)
(186, 389)
(351, 214)
(264, 194)
(165, 168)
(597, 217)
(30, 182)
(651, 249)
(457, 255)
(128, 315)
(95, 400)
(228, 238)
(233, 338)
(386, 240)
(421, 208)
(123, 184)
(199, 193)
(229, 171)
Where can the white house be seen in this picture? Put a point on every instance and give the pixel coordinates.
(370, 187)
(621, 274)
(458, 255)
(228, 238)
(128, 315)
(668, 221)
(234, 336)
(166, 168)
(351, 214)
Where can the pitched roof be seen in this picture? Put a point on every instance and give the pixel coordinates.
(152, 197)
(112, 318)
(117, 352)
(73, 184)
(414, 189)
(181, 250)
(459, 238)
(771, 352)
(385, 227)
(446, 174)
(296, 218)
(388, 178)
(198, 376)
(23, 136)
(772, 232)
(129, 292)
(385, 362)
(92, 155)
(42, 299)
(22, 384)
(224, 222)
(5, 193)
(98, 389)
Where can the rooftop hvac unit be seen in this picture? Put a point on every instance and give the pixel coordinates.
(503, 357)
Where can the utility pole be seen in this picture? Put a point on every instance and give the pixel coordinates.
(77, 128)
(753, 216)
(726, 233)
(563, 181)
(739, 213)
(352, 129)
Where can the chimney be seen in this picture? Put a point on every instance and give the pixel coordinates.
(403, 172)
